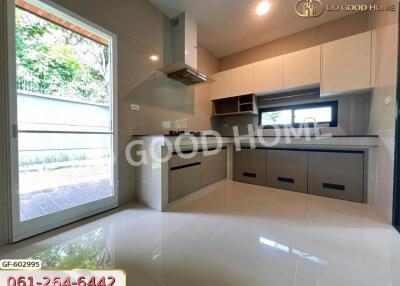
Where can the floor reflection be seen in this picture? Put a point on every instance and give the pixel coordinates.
(293, 251)
(93, 250)
(234, 235)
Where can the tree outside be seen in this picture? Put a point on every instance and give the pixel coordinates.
(55, 61)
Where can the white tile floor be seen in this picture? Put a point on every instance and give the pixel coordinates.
(235, 234)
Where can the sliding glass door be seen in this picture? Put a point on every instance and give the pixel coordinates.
(64, 140)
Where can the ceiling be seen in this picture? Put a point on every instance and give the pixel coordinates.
(229, 26)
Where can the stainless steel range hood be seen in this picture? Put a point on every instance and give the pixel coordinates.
(181, 65)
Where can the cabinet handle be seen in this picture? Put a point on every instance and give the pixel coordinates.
(185, 166)
(286, 180)
(334, 186)
(251, 175)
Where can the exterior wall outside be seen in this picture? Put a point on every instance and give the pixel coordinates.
(142, 31)
(340, 28)
(383, 116)
(67, 115)
(35, 108)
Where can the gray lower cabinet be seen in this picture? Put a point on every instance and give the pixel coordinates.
(287, 170)
(213, 168)
(337, 175)
(220, 165)
(250, 166)
(207, 170)
(184, 179)
(189, 175)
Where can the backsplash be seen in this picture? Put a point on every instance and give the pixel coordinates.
(353, 117)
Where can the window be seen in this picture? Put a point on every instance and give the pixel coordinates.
(323, 113)
(278, 117)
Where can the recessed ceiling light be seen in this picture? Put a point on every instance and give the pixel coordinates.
(154, 58)
(263, 8)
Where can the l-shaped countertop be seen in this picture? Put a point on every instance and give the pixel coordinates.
(324, 141)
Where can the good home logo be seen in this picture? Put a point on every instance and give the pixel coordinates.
(315, 8)
(309, 8)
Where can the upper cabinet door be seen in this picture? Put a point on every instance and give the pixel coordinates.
(243, 80)
(221, 86)
(302, 68)
(268, 75)
(346, 64)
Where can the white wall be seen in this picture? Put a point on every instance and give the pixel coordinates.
(382, 115)
(142, 31)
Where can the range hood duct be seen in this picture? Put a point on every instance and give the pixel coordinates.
(182, 63)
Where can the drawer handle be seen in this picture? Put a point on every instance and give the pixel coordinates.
(185, 166)
(251, 175)
(286, 180)
(334, 186)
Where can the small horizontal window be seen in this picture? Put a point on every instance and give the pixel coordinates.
(321, 113)
(279, 117)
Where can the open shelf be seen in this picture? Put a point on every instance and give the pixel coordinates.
(237, 105)
(235, 113)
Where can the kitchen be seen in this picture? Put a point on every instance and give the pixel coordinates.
(237, 142)
(332, 83)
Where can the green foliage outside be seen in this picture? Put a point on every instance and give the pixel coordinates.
(271, 117)
(89, 251)
(55, 61)
(26, 158)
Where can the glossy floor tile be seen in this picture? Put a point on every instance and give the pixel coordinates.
(232, 234)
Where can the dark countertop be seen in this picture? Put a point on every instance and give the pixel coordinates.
(313, 136)
(269, 136)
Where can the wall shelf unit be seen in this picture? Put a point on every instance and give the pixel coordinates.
(238, 105)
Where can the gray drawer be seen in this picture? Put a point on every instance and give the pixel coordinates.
(287, 170)
(184, 181)
(213, 168)
(207, 170)
(178, 161)
(250, 166)
(220, 166)
(337, 175)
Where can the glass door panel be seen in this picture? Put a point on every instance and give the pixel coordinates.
(65, 137)
(61, 171)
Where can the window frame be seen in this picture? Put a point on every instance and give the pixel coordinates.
(292, 108)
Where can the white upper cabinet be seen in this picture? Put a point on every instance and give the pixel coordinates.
(268, 75)
(302, 68)
(346, 64)
(221, 87)
(340, 66)
(243, 80)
